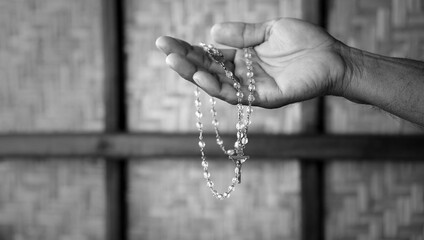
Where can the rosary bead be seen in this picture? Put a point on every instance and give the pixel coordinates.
(215, 122)
(219, 141)
(196, 92)
(239, 94)
(251, 87)
(248, 62)
(212, 101)
(202, 144)
(234, 180)
(249, 74)
(239, 126)
(249, 67)
(231, 152)
(206, 175)
(226, 195)
(199, 125)
(199, 114)
(252, 81)
(247, 55)
(237, 145)
(198, 103)
(229, 74)
(205, 164)
(251, 98)
(236, 85)
(244, 140)
(210, 184)
(249, 110)
(220, 196)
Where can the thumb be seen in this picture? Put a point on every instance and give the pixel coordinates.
(240, 35)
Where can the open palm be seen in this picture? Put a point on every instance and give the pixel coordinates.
(292, 61)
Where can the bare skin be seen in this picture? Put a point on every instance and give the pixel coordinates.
(295, 61)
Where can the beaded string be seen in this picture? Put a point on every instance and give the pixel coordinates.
(236, 154)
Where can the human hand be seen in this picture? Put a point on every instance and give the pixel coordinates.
(292, 61)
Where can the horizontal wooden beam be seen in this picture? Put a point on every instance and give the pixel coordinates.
(185, 145)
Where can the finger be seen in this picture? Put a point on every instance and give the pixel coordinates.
(194, 54)
(240, 35)
(186, 69)
(214, 88)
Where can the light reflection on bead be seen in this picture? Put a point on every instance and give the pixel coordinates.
(234, 180)
(251, 87)
(251, 98)
(198, 103)
(236, 85)
(239, 94)
(206, 175)
(229, 74)
(212, 101)
(239, 126)
(199, 114)
(244, 140)
(202, 144)
(205, 164)
(215, 122)
(219, 141)
(220, 197)
(249, 74)
(209, 184)
(199, 125)
(230, 152)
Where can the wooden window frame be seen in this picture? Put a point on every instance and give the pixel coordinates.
(116, 145)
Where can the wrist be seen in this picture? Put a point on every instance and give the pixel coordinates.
(348, 83)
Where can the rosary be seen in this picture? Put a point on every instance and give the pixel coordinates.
(243, 120)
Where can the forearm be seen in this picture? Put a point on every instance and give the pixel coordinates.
(393, 84)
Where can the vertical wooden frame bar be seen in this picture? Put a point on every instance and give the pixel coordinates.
(115, 116)
(312, 171)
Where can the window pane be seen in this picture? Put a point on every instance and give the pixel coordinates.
(52, 199)
(158, 99)
(51, 66)
(169, 199)
(381, 200)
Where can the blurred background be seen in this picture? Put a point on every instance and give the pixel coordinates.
(55, 64)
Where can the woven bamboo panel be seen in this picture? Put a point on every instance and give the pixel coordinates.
(375, 201)
(158, 99)
(51, 65)
(170, 200)
(392, 28)
(51, 199)
(380, 200)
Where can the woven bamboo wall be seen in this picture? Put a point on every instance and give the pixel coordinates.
(51, 80)
(381, 200)
(177, 204)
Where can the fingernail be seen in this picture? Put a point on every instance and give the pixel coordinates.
(196, 79)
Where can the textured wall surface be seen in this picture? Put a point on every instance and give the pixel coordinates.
(375, 201)
(51, 80)
(382, 200)
(158, 99)
(177, 204)
(51, 199)
(51, 65)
